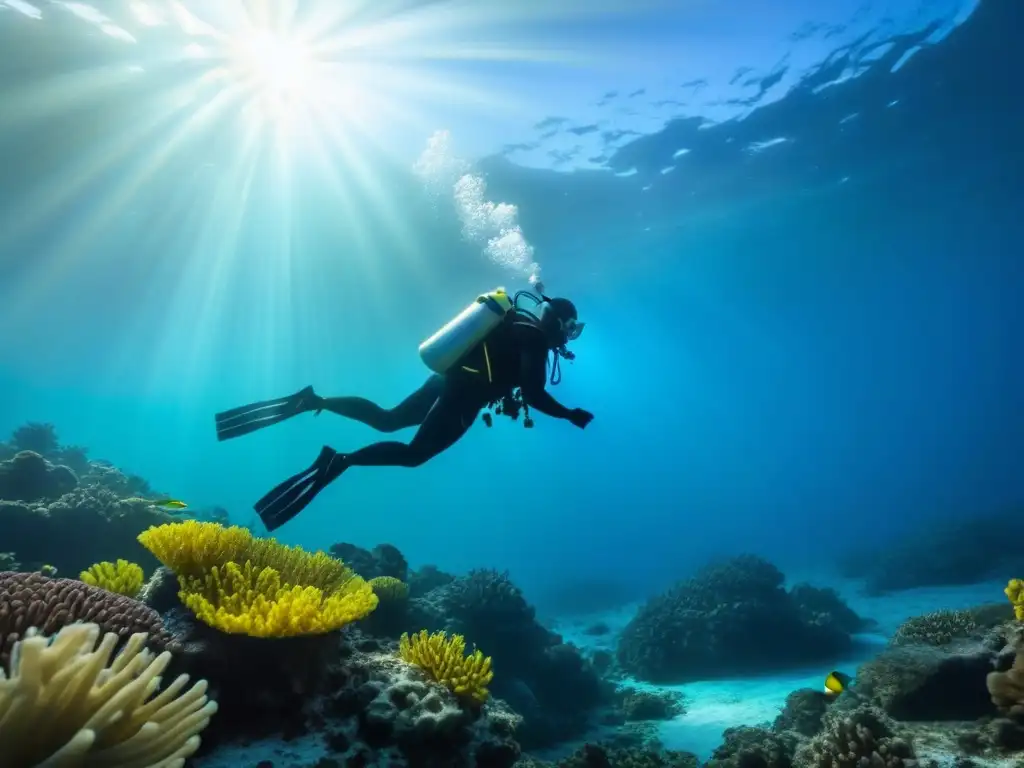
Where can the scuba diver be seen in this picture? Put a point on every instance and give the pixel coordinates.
(494, 354)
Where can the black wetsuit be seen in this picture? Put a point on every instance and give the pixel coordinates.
(513, 356)
(446, 406)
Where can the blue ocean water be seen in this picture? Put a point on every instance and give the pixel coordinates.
(794, 236)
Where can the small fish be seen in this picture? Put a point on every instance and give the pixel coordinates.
(48, 570)
(836, 683)
(169, 503)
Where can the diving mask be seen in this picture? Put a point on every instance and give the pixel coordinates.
(572, 328)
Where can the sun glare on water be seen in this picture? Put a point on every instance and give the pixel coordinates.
(278, 71)
(172, 121)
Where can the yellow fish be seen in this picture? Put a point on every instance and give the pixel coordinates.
(169, 503)
(836, 683)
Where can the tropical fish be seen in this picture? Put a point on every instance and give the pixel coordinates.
(169, 503)
(836, 682)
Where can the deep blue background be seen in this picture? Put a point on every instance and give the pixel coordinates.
(796, 352)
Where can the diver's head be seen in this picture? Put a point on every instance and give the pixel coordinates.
(560, 322)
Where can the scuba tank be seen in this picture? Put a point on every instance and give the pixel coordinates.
(461, 334)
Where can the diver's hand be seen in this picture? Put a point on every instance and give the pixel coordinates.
(580, 418)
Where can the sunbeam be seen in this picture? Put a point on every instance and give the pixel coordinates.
(282, 110)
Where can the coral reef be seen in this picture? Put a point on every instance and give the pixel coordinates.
(605, 756)
(802, 713)
(974, 549)
(389, 589)
(649, 705)
(824, 608)
(702, 626)
(854, 739)
(923, 682)
(60, 508)
(547, 681)
(121, 577)
(427, 579)
(369, 706)
(750, 747)
(400, 713)
(367, 658)
(445, 660)
(391, 617)
(1015, 592)
(36, 437)
(936, 628)
(29, 477)
(382, 560)
(241, 584)
(67, 701)
(1007, 687)
(31, 600)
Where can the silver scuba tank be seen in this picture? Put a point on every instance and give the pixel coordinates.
(467, 329)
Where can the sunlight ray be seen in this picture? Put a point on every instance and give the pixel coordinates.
(444, 22)
(36, 101)
(45, 200)
(322, 90)
(396, 228)
(75, 241)
(210, 261)
(413, 86)
(500, 52)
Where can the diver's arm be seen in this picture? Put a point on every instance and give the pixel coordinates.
(534, 370)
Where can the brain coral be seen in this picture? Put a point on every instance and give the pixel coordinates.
(48, 604)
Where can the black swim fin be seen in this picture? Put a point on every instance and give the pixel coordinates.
(248, 418)
(292, 496)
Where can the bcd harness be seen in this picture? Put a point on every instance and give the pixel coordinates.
(513, 403)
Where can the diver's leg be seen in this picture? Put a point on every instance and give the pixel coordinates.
(290, 497)
(450, 418)
(410, 412)
(248, 418)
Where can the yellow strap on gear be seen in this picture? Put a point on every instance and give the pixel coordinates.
(487, 359)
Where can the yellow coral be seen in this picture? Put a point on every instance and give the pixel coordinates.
(389, 588)
(255, 601)
(191, 548)
(1015, 591)
(444, 659)
(121, 577)
(241, 584)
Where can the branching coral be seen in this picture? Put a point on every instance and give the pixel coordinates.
(37, 437)
(255, 601)
(936, 628)
(444, 659)
(69, 703)
(861, 738)
(192, 548)
(121, 577)
(244, 585)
